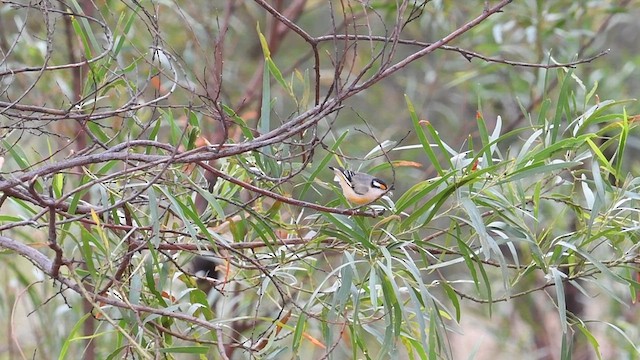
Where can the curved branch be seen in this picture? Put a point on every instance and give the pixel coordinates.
(487, 12)
(468, 54)
(43, 263)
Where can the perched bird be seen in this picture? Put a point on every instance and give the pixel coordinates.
(359, 188)
(206, 268)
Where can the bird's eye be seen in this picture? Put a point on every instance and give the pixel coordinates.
(378, 184)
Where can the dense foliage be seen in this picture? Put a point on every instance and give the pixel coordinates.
(166, 191)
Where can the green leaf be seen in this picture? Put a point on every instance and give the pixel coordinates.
(373, 288)
(392, 307)
(602, 267)
(89, 245)
(265, 110)
(428, 210)
(185, 212)
(193, 134)
(119, 42)
(342, 296)
(185, 350)
(423, 137)
(348, 227)
(297, 333)
(566, 351)
(153, 134)
(453, 297)
(154, 218)
(623, 334)
(591, 92)
(135, 289)
(484, 137)
(57, 184)
(562, 304)
(544, 107)
(72, 336)
(604, 162)
(539, 169)
(79, 29)
(597, 114)
(246, 131)
(277, 74)
(263, 42)
(622, 143)
(561, 145)
(433, 335)
(468, 254)
(562, 107)
(150, 269)
(322, 165)
(117, 352)
(16, 154)
(590, 338)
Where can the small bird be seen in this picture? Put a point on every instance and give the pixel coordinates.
(359, 188)
(205, 267)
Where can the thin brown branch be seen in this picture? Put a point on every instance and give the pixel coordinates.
(468, 54)
(356, 88)
(540, 97)
(46, 265)
(286, 21)
(53, 244)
